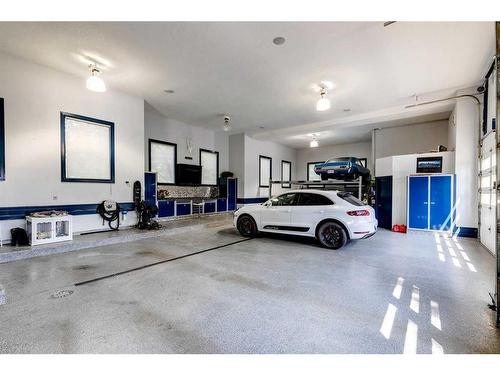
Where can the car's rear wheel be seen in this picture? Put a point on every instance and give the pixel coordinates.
(246, 226)
(331, 235)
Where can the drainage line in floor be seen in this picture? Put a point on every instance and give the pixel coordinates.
(157, 263)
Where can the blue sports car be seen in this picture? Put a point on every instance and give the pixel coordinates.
(346, 168)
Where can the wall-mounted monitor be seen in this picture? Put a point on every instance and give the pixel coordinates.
(188, 174)
(433, 164)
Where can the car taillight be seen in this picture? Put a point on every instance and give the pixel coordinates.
(359, 213)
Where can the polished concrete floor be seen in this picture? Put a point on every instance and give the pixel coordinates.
(392, 293)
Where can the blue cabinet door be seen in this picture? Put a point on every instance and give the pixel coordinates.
(221, 204)
(183, 209)
(231, 194)
(209, 207)
(441, 210)
(166, 208)
(150, 188)
(418, 205)
(383, 199)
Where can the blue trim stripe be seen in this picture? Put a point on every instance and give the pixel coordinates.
(251, 200)
(12, 213)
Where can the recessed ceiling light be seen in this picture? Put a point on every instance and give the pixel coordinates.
(169, 91)
(279, 40)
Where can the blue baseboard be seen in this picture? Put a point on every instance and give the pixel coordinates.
(13, 213)
(466, 232)
(251, 200)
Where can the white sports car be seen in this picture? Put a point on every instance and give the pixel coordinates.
(333, 217)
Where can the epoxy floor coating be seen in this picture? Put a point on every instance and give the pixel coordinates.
(392, 293)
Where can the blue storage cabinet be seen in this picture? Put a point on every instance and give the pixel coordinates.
(209, 207)
(221, 204)
(430, 202)
(166, 208)
(232, 193)
(182, 208)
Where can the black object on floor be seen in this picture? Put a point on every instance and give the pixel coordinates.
(157, 263)
(19, 237)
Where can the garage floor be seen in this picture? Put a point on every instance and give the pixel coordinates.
(392, 293)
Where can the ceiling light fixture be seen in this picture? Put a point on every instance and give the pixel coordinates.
(314, 142)
(227, 127)
(323, 103)
(95, 82)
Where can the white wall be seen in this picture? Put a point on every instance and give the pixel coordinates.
(34, 97)
(411, 139)
(157, 126)
(452, 131)
(278, 152)
(237, 160)
(399, 167)
(305, 155)
(244, 154)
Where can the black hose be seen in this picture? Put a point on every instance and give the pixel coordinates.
(110, 216)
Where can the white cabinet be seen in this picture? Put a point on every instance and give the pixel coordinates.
(42, 230)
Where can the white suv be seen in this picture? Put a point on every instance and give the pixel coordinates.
(333, 217)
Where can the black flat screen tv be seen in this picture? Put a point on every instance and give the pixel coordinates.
(188, 174)
(430, 164)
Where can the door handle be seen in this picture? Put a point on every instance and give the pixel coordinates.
(433, 202)
(319, 212)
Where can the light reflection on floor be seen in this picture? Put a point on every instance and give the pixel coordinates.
(459, 257)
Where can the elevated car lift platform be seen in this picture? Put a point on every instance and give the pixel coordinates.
(326, 185)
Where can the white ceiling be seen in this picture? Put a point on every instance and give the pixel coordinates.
(235, 68)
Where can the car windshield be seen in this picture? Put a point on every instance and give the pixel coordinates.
(348, 197)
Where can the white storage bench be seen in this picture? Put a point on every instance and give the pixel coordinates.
(42, 230)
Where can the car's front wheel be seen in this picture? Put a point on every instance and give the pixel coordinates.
(246, 226)
(324, 177)
(331, 235)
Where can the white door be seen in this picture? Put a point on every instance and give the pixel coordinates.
(277, 215)
(487, 179)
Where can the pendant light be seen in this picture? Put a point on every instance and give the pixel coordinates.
(314, 142)
(95, 82)
(227, 127)
(323, 103)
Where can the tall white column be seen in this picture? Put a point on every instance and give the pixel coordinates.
(466, 162)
